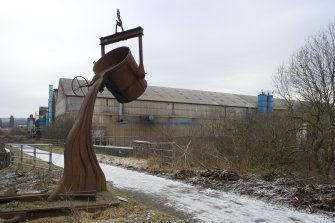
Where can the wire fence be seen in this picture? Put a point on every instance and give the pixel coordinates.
(121, 141)
(55, 142)
(26, 155)
(123, 146)
(164, 151)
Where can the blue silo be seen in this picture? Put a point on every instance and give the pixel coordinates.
(270, 103)
(262, 103)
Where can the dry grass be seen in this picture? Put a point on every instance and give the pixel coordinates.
(154, 163)
(58, 149)
(27, 162)
(55, 149)
(123, 161)
(131, 211)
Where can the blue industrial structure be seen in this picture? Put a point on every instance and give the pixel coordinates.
(262, 103)
(50, 106)
(270, 103)
(265, 102)
(31, 125)
(43, 118)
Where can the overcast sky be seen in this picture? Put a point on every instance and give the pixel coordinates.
(225, 46)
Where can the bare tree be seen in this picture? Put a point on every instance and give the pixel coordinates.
(307, 82)
(60, 128)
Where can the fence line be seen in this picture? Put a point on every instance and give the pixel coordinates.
(165, 151)
(114, 150)
(120, 141)
(56, 142)
(21, 150)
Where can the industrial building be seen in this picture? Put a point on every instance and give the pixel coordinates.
(159, 109)
(44, 117)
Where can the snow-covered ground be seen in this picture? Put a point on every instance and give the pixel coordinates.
(205, 205)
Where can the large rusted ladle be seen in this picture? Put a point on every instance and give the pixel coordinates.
(119, 72)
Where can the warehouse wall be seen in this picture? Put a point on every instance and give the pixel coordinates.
(140, 127)
(61, 103)
(145, 119)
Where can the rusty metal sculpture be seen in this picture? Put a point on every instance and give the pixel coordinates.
(119, 72)
(79, 84)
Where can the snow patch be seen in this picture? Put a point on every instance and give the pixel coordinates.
(206, 205)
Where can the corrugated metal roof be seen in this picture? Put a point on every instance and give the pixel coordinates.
(165, 94)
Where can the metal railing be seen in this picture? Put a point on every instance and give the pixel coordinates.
(55, 142)
(123, 141)
(21, 149)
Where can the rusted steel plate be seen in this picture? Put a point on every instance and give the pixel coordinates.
(117, 37)
(81, 195)
(10, 217)
(121, 74)
(21, 215)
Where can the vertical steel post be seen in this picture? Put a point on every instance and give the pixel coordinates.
(173, 154)
(50, 157)
(140, 49)
(102, 49)
(21, 157)
(11, 154)
(148, 145)
(34, 158)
